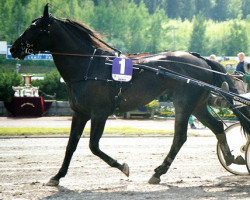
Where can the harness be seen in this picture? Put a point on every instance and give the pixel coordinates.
(118, 86)
(27, 48)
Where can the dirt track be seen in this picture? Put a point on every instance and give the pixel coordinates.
(26, 164)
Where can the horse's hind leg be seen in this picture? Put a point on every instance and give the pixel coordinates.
(180, 137)
(217, 128)
(97, 126)
(77, 126)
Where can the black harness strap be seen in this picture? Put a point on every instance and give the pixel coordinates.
(91, 59)
(116, 85)
(118, 96)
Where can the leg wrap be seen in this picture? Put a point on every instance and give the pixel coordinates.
(229, 158)
(221, 138)
(162, 169)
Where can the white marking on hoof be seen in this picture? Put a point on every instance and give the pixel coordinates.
(125, 169)
(52, 183)
(154, 180)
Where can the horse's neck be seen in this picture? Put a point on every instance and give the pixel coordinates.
(70, 67)
(68, 59)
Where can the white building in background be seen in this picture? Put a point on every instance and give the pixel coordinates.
(3, 47)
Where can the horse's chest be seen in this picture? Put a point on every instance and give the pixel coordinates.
(77, 98)
(85, 97)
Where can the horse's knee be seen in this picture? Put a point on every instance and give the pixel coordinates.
(219, 128)
(183, 139)
(180, 141)
(94, 149)
(71, 148)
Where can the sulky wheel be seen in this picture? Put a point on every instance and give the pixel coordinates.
(247, 154)
(237, 143)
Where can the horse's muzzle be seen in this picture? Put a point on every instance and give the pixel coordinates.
(17, 53)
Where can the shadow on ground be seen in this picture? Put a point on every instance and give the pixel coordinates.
(229, 187)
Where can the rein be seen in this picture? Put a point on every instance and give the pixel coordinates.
(73, 54)
(28, 50)
(139, 59)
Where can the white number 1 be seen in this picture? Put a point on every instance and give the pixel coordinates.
(122, 63)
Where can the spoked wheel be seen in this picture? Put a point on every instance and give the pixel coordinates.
(237, 143)
(248, 156)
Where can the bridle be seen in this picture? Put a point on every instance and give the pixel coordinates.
(26, 45)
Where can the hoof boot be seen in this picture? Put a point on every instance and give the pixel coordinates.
(52, 182)
(239, 160)
(125, 169)
(154, 180)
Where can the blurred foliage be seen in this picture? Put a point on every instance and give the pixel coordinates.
(7, 80)
(144, 25)
(51, 85)
(153, 105)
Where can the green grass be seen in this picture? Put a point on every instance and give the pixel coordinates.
(65, 131)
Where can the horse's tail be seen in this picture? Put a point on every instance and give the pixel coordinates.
(243, 113)
(218, 79)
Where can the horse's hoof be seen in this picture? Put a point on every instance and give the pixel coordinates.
(239, 160)
(125, 169)
(52, 182)
(229, 160)
(154, 180)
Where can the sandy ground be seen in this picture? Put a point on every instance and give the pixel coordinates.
(26, 164)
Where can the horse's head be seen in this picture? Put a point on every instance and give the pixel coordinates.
(35, 38)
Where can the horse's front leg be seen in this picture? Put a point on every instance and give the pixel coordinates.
(97, 127)
(180, 137)
(77, 126)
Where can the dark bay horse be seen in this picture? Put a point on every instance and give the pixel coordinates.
(93, 94)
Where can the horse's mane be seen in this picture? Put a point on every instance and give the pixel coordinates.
(92, 35)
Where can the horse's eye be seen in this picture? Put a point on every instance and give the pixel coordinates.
(32, 26)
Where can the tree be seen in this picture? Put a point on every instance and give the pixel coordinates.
(186, 9)
(234, 11)
(197, 40)
(156, 35)
(111, 19)
(220, 10)
(7, 80)
(138, 21)
(173, 9)
(51, 84)
(154, 5)
(6, 24)
(237, 40)
(204, 7)
(245, 8)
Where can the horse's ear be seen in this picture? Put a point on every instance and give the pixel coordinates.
(46, 11)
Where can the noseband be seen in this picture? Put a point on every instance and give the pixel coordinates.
(26, 47)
